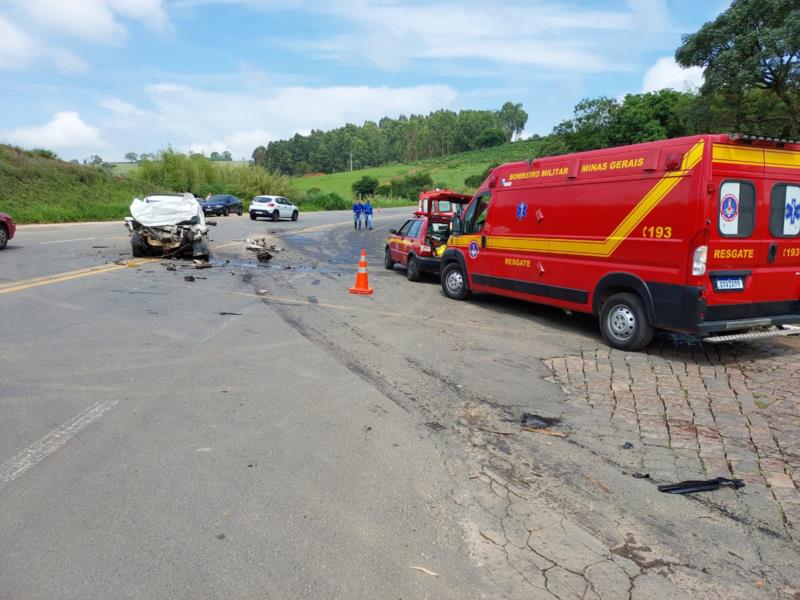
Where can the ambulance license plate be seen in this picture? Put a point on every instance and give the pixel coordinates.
(725, 284)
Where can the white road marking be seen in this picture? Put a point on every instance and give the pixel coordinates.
(37, 452)
(66, 241)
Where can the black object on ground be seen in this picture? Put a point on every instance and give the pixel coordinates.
(537, 421)
(264, 256)
(435, 426)
(704, 485)
(188, 278)
(231, 314)
(627, 446)
(641, 475)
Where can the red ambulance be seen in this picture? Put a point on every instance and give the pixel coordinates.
(698, 235)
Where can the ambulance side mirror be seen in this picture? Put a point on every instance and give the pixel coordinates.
(455, 225)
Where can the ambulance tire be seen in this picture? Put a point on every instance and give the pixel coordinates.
(387, 259)
(624, 324)
(412, 269)
(454, 282)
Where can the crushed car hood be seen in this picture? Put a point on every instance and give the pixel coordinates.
(162, 211)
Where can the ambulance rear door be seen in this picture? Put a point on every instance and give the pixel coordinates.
(778, 284)
(734, 220)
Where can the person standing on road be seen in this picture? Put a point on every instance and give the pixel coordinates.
(358, 208)
(367, 209)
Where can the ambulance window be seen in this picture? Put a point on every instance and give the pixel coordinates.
(784, 215)
(736, 209)
(475, 221)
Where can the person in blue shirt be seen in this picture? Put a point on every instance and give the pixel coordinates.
(358, 208)
(367, 210)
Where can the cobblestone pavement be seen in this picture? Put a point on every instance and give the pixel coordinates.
(701, 412)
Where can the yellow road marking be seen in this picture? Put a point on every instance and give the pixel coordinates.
(27, 284)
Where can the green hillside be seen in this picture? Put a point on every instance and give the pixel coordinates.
(449, 171)
(34, 188)
(127, 168)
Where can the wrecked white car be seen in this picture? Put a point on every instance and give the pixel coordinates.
(168, 225)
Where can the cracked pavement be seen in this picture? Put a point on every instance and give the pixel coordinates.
(552, 517)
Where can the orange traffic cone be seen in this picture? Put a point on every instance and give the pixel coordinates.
(362, 279)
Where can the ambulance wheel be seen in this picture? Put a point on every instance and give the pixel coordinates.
(387, 259)
(412, 269)
(623, 322)
(454, 282)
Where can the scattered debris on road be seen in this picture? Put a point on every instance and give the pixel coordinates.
(233, 314)
(170, 266)
(426, 571)
(188, 278)
(488, 430)
(263, 249)
(201, 264)
(537, 421)
(544, 431)
(627, 446)
(705, 485)
(435, 426)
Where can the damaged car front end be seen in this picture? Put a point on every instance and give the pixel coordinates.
(168, 225)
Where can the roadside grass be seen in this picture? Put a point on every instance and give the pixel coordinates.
(446, 171)
(34, 189)
(38, 189)
(129, 168)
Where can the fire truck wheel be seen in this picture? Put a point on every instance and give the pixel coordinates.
(387, 259)
(623, 322)
(454, 283)
(412, 270)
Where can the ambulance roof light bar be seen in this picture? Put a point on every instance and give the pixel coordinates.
(749, 139)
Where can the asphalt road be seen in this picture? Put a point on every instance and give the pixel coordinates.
(261, 433)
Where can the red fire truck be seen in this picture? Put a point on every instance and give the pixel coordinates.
(698, 235)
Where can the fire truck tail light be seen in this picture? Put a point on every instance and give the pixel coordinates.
(425, 250)
(699, 260)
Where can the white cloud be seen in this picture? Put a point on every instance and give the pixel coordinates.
(90, 20)
(546, 34)
(666, 73)
(15, 45)
(200, 120)
(19, 50)
(65, 130)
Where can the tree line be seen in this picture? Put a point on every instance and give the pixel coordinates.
(404, 139)
(750, 55)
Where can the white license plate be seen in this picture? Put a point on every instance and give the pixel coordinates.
(730, 283)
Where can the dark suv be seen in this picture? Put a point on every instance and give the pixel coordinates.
(7, 229)
(222, 204)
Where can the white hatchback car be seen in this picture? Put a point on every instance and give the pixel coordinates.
(273, 207)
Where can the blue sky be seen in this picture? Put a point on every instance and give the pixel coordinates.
(107, 77)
